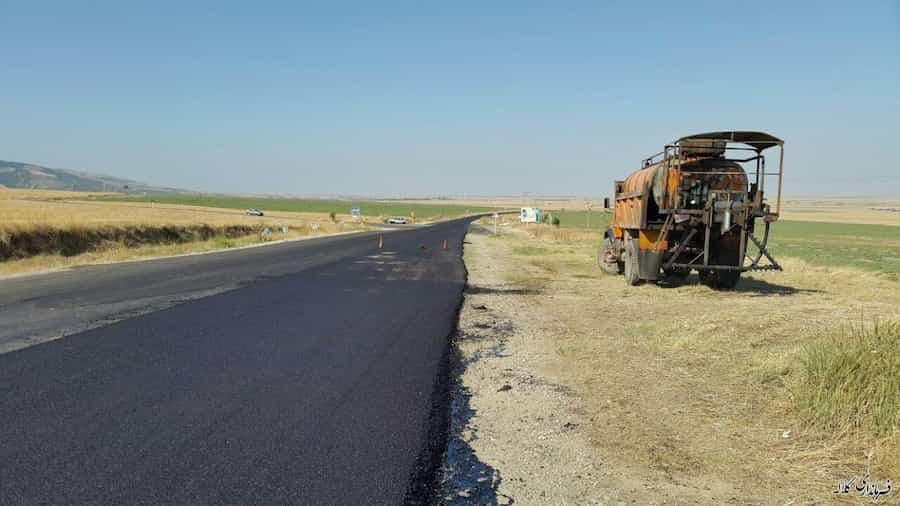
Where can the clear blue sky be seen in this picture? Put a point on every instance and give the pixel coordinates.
(449, 98)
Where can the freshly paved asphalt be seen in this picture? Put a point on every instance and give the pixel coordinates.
(316, 377)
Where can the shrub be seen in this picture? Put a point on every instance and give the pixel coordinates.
(555, 221)
(75, 240)
(333, 216)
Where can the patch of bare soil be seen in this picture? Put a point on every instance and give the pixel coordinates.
(576, 389)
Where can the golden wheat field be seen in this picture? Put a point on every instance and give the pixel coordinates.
(27, 208)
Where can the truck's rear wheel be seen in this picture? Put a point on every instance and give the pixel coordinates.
(726, 252)
(721, 280)
(607, 258)
(632, 271)
(728, 279)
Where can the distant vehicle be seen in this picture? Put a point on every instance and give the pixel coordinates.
(254, 212)
(396, 220)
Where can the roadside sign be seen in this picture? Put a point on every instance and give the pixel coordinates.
(354, 212)
(530, 215)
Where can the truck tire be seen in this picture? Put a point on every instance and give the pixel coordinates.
(728, 279)
(607, 259)
(726, 252)
(720, 280)
(632, 270)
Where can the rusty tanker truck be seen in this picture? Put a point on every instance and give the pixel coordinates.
(694, 207)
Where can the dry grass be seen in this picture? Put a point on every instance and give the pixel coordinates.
(33, 209)
(19, 242)
(706, 385)
(849, 381)
(17, 193)
(51, 214)
(112, 253)
(875, 211)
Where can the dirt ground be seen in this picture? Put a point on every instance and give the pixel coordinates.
(575, 389)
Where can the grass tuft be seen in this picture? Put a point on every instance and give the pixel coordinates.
(851, 381)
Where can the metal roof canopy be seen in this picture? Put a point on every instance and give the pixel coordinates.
(759, 140)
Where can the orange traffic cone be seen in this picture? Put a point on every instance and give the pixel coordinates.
(446, 247)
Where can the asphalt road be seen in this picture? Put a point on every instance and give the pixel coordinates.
(311, 372)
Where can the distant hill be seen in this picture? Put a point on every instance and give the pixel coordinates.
(26, 175)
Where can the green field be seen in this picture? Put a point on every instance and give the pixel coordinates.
(868, 247)
(367, 207)
(597, 220)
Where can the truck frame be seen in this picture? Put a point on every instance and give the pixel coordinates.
(693, 206)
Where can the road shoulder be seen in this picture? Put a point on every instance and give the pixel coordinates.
(519, 432)
(576, 389)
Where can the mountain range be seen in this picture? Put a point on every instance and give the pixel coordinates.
(26, 175)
